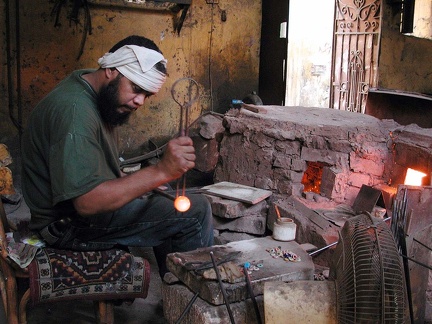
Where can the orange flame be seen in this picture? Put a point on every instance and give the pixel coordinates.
(414, 177)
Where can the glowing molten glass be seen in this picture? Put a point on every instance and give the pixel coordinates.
(182, 203)
(413, 177)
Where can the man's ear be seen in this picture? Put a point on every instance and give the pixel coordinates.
(111, 73)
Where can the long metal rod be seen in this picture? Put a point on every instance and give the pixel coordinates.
(334, 243)
(164, 194)
(422, 244)
(415, 261)
(184, 120)
(222, 288)
(189, 305)
(251, 293)
(323, 248)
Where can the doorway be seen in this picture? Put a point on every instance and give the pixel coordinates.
(309, 57)
(326, 56)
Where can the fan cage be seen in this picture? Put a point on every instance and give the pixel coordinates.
(369, 274)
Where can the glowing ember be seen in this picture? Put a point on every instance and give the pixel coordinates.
(312, 177)
(414, 177)
(182, 203)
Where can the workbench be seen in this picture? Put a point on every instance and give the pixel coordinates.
(254, 251)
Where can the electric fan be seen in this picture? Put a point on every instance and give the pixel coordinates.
(368, 273)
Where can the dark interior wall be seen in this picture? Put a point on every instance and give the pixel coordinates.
(403, 107)
(218, 46)
(273, 55)
(404, 61)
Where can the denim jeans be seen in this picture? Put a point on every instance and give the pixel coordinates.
(145, 222)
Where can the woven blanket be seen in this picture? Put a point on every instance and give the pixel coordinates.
(100, 275)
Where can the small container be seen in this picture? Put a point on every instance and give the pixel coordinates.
(284, 229)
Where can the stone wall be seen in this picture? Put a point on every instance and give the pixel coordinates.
(215, 52)
(272, 150)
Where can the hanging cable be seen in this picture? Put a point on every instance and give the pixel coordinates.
(17, 122)
(210, 58)
(74, 16)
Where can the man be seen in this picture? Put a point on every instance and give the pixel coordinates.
(72, 182)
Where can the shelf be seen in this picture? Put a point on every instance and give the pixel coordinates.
(140, 4)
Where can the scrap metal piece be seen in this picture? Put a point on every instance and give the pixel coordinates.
(366, 199)
(229, 272)
(198, 266)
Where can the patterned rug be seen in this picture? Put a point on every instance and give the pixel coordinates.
(101, 275)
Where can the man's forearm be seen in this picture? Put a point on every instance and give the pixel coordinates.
(113, 194)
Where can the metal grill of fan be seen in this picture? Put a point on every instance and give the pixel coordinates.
(369, 273)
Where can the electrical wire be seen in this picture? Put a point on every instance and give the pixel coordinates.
(210, 58)
(17, 122)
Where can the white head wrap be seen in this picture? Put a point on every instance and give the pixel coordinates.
(137, 63)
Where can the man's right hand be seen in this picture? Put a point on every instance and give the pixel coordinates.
(178, 158)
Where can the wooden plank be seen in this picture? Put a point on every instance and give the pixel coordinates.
(235, 191)
(254, 108)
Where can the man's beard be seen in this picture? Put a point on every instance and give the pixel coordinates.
(108, 104)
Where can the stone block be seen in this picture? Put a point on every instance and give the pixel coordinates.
(262, 140)
(282, 161)
(328, 131)
(254, 251)
(307, 302)
(228, 237)
(251, 224)
(207, 153)
(298, 165)
(288, 147)
(350, 195)
(377, 152)
(412, 156)
(343, 146)
(370, 133)
(177, 297)
(358, 164)
(413, 135)
(281, 134)
(227, 208)
(316, 142)
(330, 179)
(358, 179)
(264, 183)
(326, 156)
(211, 126)
(289, 188)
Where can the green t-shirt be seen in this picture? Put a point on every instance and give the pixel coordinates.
(66, 150)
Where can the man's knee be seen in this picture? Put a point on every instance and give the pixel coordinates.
(205, 217)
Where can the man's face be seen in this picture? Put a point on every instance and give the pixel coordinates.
(119, 99)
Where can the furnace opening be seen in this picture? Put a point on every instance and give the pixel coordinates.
(312, 177)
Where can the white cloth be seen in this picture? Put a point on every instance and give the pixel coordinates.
(137, 63)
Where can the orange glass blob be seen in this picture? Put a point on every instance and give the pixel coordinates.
(182, 203)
